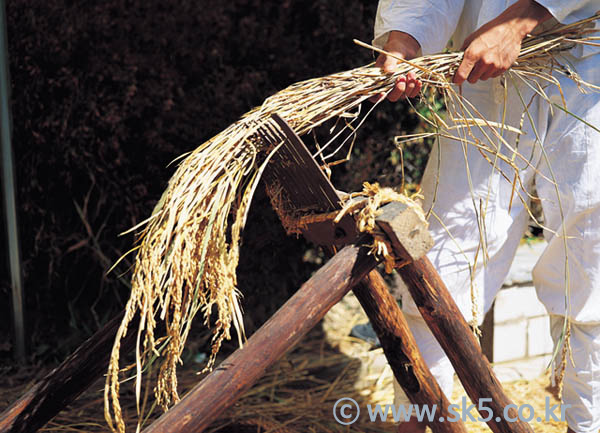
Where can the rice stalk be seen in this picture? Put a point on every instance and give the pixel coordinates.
(188, 249)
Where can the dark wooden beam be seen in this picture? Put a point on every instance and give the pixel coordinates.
(66, 382)
(304, 186)
(456, 338)
(402, 353)
(487, 334)
(236, 374)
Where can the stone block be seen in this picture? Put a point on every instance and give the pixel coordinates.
(510, 340)
(539, 340)
(516, 303)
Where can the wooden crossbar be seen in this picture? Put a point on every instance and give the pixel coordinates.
(304, 186)
(351, 268)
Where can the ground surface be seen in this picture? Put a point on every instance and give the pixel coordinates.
(298, 393)
(348, 312)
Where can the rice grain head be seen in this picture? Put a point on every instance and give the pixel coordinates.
(188, 249)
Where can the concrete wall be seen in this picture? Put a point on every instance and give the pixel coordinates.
(521, 325)
(521, 342)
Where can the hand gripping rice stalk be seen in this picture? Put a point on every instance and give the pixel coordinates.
(188, 249)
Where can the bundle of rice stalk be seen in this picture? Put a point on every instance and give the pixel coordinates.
(188, 249)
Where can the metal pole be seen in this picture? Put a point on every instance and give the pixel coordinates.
(9, 187)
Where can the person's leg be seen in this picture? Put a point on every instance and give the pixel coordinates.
(567, 275)
(568, 186)
(475, 229)
(478, 215)
(582, 380)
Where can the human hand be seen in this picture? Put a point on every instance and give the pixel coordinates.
(406, 47)
(494, 47)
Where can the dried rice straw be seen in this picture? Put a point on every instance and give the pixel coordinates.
(188, 249)
(367, 210)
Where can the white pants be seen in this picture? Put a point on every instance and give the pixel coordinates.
(581, 383)
(477, 210)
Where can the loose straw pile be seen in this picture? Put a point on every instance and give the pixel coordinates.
(188, 249)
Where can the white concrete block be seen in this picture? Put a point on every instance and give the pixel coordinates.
(539, 340)
(525, 369)
(510, 340)
(525, 259)
(517, 303)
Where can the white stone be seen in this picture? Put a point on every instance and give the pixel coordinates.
(525, 369)
(510, 341)
(515, 303)
(539, 340)
(525, 259)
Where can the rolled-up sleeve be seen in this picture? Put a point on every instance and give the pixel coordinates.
(431, 23)
(569, 11)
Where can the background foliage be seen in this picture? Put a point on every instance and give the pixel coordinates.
(106, 93)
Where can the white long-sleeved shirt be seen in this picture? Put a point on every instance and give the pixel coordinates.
(433, 23)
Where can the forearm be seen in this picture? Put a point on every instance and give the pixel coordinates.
(525, 15)
(494, 47)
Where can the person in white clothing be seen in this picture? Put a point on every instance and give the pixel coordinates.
(491, 32)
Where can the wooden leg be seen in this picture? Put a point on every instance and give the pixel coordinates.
(456, 338)
(402, 352)
(63, 384)
(226, 384)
